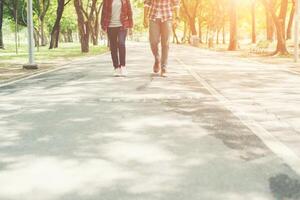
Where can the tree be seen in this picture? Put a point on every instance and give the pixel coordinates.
(1, 24)
(291, 19)
(175, 36)
(269, 25)
(190, 10)
(16, 11)
(84, 17)
(41, 8)
(95, 24)
(221, 22)
(233, 26)
(68, 24)
(200, 23)
(253, 22)
(185, 37)
(279, 22)
(56, 27)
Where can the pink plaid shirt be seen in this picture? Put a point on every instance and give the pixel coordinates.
(161, 8)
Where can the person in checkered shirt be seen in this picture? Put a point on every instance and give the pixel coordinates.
(159, 16)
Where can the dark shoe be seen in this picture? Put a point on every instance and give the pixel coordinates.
(163, 72)
(156, 67)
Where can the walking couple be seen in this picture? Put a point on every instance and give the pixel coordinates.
(159, 16)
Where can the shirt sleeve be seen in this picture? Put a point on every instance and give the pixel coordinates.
(147, 3)
(103, 15)
(130, 14)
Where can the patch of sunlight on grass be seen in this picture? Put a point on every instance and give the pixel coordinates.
(42, 54)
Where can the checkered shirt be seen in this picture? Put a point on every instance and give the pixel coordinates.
(165, 7)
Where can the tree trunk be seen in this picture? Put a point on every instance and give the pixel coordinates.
(70, 35)
(281, 42)
(290, 24)
(42, 7)
(270, 26)
(1, 23)
(218, 36)
(36, 36)
(83, 27)
(233, 27)
(56, 28)
(175, 37)
(282, 16)
(43, 35)
(189, 36)
(253, 22)
(185, 30)
(84, 38)
(192, 24)
(279, 22)
(191, 16)
(96, 29)
(200, 30)
(206, 35)
(224, 34)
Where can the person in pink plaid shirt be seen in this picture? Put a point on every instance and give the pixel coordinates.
(159, 16)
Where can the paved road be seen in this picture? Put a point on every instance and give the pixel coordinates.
(217, 128)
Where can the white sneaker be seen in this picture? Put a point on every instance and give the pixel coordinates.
(124, 71)
(117, 72)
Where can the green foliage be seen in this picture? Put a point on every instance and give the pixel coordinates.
(263, 44)
(138, 12)
(15, 10)
(68, 20)
(67, 51)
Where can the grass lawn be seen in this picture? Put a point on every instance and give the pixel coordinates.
(66, 51)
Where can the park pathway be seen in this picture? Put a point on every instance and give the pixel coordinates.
(218, 128)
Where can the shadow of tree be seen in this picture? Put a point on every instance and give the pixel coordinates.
(283, 187)
(224, 126)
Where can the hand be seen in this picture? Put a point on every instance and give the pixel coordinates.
(130, 32)
(104, 30)
(146, 22)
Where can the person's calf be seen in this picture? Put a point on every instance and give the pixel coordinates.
(163, 71)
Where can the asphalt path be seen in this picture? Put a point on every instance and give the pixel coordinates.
(216, 128)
